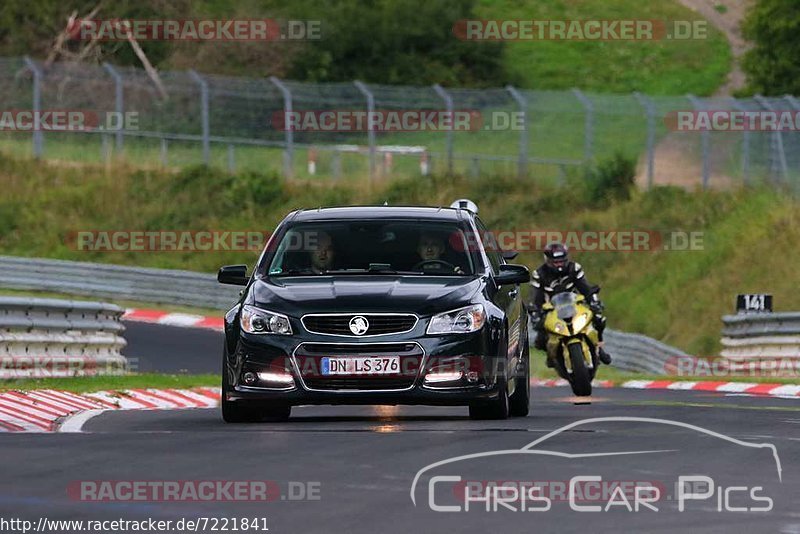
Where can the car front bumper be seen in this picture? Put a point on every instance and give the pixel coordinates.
(470, 352)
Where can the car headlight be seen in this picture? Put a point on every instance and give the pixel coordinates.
(580, 322)
(257, 321)
(460, 321)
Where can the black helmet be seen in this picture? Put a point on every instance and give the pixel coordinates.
(556, 256)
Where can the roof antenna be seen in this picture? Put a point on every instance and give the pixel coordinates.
(385, 202)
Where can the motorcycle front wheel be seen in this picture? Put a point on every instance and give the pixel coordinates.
(581, 380)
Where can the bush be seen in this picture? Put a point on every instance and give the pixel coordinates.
(394, 42)
(611, 180)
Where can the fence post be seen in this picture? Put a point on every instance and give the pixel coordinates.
(588, 129)
(288, 154)
(777, 154)
(105, 150)
(203, 115)
(231, 160)
(649, 110)
(448, 102)
(119, 103)
(370, 124)
(37, 104)
(336, 164)
(523, 135)
(795, 106)
(745, 145)
(705, 140)
(164, 156)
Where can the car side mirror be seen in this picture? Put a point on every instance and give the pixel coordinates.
(233, 274)
(512, 274)
(509, 255)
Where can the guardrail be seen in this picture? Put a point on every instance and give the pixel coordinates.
(639, 353)
(117, 282)
(751, 337)
(59, 338)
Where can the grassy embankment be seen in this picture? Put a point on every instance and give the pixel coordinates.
(749, 237)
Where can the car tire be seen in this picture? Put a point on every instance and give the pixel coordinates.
(520, 401)
(495, 409)
(236, 412)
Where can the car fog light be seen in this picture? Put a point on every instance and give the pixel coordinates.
(284, 379)
(249, 378)
(472, 376)
(443, 376)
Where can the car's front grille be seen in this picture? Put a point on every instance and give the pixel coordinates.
(360, 383)
(309, 356)
(379, 323)
(357, 349)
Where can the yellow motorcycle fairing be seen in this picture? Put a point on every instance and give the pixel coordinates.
(561, 334)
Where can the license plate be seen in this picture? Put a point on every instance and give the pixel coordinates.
(361, 365)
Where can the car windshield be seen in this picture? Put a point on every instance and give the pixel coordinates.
(373, 247)
(564, 304)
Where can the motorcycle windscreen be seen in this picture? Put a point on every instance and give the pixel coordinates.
(564, 304)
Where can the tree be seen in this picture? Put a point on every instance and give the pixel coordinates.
(773, 64)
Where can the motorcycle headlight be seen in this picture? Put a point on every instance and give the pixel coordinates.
(580, 322)
(460, 321)
(257, 321)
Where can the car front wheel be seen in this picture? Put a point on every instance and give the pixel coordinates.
(496, 408)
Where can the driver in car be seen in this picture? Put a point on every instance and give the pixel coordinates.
(323, 254)
(430, 249)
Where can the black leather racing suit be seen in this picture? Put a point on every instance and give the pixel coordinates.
(547, 282)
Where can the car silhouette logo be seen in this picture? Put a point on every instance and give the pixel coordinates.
(359, 325)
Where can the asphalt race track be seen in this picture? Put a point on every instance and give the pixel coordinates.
(363, 460)
(358, 464)
(172, 349)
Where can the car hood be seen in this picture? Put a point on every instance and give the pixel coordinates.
(413, 294)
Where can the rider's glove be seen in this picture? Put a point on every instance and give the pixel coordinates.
(597, 307)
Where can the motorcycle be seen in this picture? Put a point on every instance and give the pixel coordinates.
(572, 340)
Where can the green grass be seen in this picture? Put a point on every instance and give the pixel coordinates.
(652, 67)
(88, 384)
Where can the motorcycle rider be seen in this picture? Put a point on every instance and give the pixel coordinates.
(559, 274)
